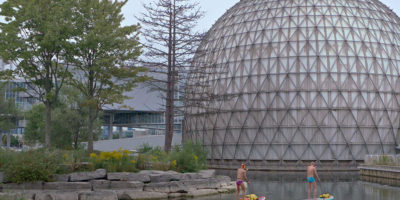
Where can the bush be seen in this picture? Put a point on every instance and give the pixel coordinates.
(116, 161)
(188, 158)
(31, 166)
(74, 161)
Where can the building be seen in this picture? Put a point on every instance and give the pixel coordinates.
(24, 102)
(282, 83)
(142, 114)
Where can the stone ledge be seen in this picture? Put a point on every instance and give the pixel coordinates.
(99, 185)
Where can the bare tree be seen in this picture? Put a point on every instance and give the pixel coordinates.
(170, 43)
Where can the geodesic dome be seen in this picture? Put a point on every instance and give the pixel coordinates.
(297, 80)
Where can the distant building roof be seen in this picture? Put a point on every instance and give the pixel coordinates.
(142, 98)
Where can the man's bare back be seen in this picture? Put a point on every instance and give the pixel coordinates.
(241, 174)
(311, 171)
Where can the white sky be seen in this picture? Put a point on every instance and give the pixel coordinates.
(213, 10)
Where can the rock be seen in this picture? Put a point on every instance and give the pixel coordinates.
(190, 176)
(67, 186)
(25, 195)
(131, 185)
(87, 176)
(100, 184)
(133, 195)
(198, 183)
(165, 187)
(61, 177)
(177, 195)
(224, 179)
(24, 186)
(56, 195)
(202, 192)
(165, 177)
(207, 173)
(98, 195)
(124, 176)
(148, 172)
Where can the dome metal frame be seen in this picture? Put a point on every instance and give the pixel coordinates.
(288, 81)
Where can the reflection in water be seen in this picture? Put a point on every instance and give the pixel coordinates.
(292, 186)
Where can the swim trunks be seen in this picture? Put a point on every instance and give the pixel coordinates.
(239, 182)
(310, 179)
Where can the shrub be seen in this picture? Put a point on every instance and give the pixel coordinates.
(74, 161)
(116, 161)
(188, 158)
(31, 166)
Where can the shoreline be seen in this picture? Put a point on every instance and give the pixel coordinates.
(100, 185)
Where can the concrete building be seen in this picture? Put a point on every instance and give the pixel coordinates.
(282, 83)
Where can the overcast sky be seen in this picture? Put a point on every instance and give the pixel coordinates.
(213, 10)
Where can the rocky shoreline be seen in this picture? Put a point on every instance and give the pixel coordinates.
(100, 185)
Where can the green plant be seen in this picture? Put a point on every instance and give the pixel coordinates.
(31, 166)
(116, 161)
(385, 160)
(188, 158)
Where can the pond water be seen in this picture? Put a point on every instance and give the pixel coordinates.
(292, 186)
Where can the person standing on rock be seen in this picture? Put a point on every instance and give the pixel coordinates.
(241, 175)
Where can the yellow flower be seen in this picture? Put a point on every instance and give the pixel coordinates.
(104, 156)
(126, 152)
(65, 156)
(93, 155)
(173, 163)
(195, 157)
(116, 155)
(133, 161)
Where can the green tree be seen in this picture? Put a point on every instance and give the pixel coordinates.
(8, 112)
(36, 37)
(69, 121)
(105, 53)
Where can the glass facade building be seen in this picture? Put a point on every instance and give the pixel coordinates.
(288, 81)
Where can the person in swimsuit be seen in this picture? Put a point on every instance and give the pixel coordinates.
(311, 171)
(241, 175)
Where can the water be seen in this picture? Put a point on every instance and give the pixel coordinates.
(289, 186)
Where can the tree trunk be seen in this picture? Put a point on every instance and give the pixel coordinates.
(169, 121)
(90, 130)
(8, 139)
(48, 124)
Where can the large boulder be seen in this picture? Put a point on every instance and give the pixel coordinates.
(98, 195)
(67, 186)
(202, 192)
(25, 195)
(166, 177)
(190, 176)
(56, 195)
(100, 184)
(131, 185)
(125, 176)
(134, 195)
(61, 177)
(165, 187)
(207, 173)
(87, 176)
(24, 186)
